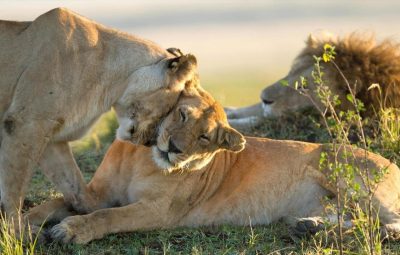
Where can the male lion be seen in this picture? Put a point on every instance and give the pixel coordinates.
(59, 73)
(361, 61)
(199, 173)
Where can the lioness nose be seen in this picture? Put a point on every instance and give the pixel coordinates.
(172, 147)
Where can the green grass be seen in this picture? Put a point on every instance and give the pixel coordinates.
(222, 240)
(11, 243)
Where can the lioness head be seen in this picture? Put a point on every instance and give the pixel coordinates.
(193, 132)
(151, 93)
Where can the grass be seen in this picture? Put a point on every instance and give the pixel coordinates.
(301, 126)
(222, 240)
(16, 244)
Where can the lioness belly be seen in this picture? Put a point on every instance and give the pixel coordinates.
(262, 205)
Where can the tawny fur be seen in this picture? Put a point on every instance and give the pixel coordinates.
(59, 73)
(361, 60)
(211, 181)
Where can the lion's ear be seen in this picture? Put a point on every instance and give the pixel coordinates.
(230, 139)
(311, 41)
(182, 66)
(175, 51)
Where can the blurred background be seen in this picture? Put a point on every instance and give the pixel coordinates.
(241, 46)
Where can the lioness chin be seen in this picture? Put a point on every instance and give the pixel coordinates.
(200, 173)
(59, 73)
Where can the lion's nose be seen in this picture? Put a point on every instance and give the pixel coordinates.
(172, 147)
(265, 101)
(265, 98)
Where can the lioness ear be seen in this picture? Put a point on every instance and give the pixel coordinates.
(175, 51)
(183, 65)
(230, 139)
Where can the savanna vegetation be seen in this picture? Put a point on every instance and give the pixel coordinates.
(380, 135)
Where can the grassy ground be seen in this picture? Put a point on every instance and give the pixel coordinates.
(273, 239)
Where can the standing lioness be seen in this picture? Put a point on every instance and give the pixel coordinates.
(199, 173)
(58, 74)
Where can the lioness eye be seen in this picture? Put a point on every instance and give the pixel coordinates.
(183, 115)
(204, 138)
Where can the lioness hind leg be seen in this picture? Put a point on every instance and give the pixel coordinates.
(386, 202)
(390, 223)
(390, 231)
(59, 165)
(308, 226)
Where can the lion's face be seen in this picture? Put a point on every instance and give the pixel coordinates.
(278, 99)
(152, 92)
(193, 132)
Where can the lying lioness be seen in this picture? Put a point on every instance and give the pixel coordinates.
(200, 173)
(58, 74)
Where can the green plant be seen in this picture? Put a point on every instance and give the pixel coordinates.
(345, 174)
(389, 130)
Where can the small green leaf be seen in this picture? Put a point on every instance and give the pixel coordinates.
(350, 98)
(303, 81)
(296, 85)
(284, 83)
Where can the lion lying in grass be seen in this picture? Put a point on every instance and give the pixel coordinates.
(361, 60)
(201, 173)
(59, 73)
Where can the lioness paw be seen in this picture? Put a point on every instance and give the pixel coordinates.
(390, 232)
(308, 226)
(73, 229)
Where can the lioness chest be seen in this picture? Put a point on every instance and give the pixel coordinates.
(128, 174)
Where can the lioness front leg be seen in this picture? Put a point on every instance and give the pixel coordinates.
(23, 142)
(84, 228)
(60, 167)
